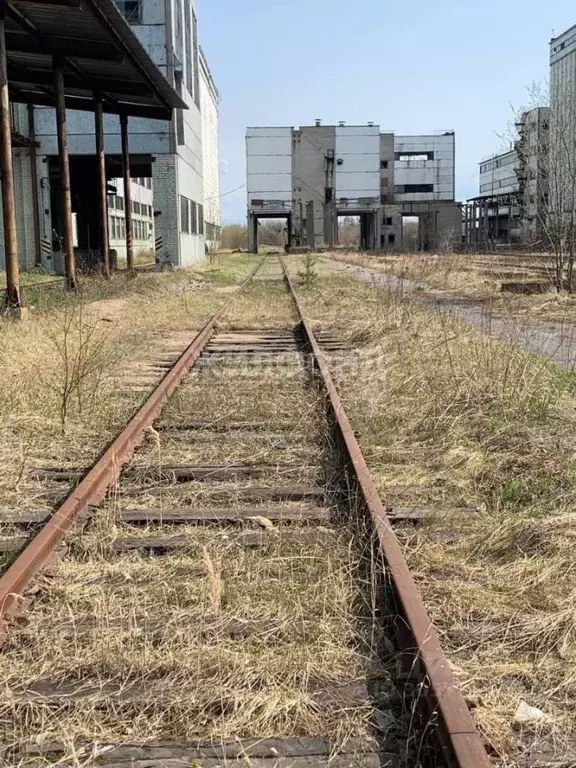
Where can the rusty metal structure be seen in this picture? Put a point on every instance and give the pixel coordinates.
(71, 54)
(415, 631)
(448, 722)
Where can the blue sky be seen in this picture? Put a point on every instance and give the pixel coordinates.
(411, 67)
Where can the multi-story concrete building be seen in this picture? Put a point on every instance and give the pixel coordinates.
(562, 169)
(209, 100)
(494, 213)
(170, 157)
(533, 172)
(512, 198)
(313, 175)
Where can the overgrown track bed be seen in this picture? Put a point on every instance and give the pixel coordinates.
(236, 593)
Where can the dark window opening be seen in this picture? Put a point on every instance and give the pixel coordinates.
(383, 164)
(194, 217)
(329, 194)
(184, 214)
(200, 219)
(412, 189)
(388, 221)
(130, 9)
(391, 239)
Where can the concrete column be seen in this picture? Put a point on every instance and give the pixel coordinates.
(12, 301)
(102, 196)
(61, 127)
(127, 192)
(310, 233)
(252, 233)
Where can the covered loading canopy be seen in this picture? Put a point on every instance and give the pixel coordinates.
(97, 50)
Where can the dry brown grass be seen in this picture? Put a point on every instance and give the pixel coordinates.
(457, 417)
(157, 628)
(221, 640)
(478, 277)
(105, 348)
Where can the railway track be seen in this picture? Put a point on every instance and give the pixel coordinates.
(224, 585)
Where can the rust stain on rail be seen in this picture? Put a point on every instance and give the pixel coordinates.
(100, 477)
(462, 737)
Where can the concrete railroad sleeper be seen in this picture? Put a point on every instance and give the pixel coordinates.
(449, 724)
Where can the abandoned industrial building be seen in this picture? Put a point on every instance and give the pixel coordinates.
(312, 175)
(513, 187)
(127, 177)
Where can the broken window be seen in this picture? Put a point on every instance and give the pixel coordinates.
(131, 10)
(383, 164)
(391, 239)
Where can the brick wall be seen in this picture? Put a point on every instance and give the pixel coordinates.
(166, 208)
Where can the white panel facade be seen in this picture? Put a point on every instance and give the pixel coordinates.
(209, 98)
(269, 164)
(498, 174)
(563, 120)
(424, 167)
(357, 157)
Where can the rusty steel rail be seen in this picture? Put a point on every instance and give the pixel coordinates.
(93, 487)
(461, 742)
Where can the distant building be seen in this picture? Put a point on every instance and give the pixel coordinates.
(563, 122)
(142, 200)
(209, 100)
(313, 175)
(512, 195)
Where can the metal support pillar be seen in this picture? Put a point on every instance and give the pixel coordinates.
(252, 233)
(127, 196)
(497, 222)
(12, 299)
(34, 183)
(102, 197)
(69, 262)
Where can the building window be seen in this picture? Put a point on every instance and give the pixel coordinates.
(200, 219)
(383, 164)
(414, 189)
(414, 155)
(110, 201)
(131, 10)
(193, 218)
(388, 221)
(119, 203)
(391, 239)
(184, 214)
